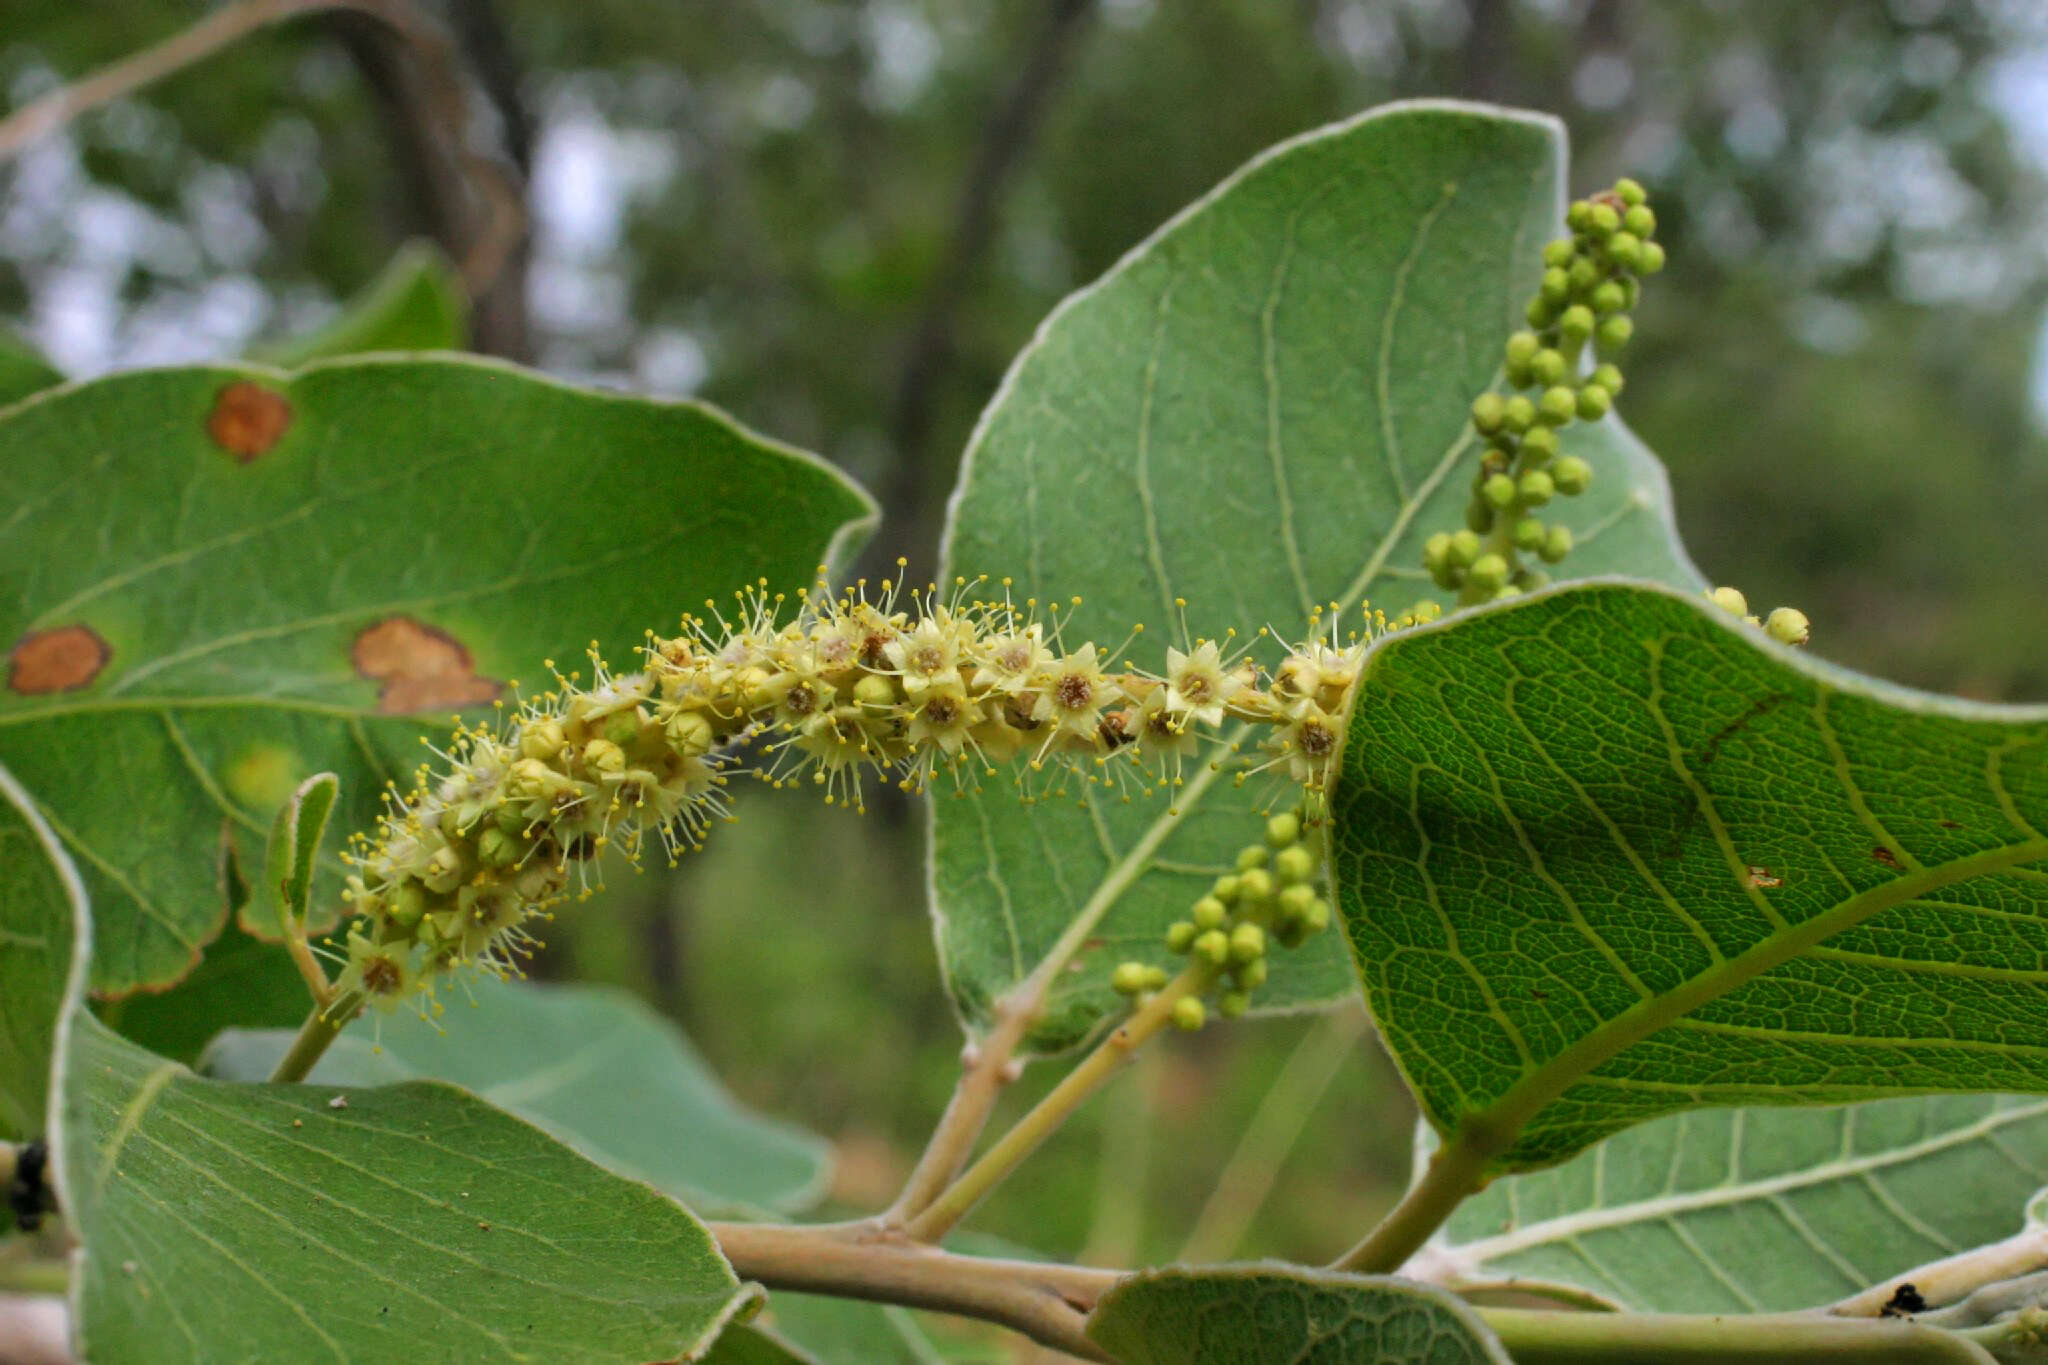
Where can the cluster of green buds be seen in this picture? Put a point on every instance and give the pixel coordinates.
(1270, 898)
(1591, 280)
(1786, 625)
(830, 689)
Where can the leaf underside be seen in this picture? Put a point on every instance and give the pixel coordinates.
(1261, 409)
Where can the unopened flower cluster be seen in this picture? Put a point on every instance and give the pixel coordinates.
(1591, 281)
(831, 689)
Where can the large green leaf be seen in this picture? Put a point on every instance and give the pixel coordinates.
(1262, 408)
(1607, 852)
(1278, 1315)
(23, 370)
(41, 956)
(591, 1065)
(408, 1223)
(416, 304)
(1758, 1210)
(222, 580)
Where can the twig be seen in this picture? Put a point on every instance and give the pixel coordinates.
(1954, 1277)
(319, 1031)
(1457, 1169)
(1543, 1337)
(1047, 1302)
(1247, 1178)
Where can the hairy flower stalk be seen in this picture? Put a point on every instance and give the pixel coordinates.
(831, 689)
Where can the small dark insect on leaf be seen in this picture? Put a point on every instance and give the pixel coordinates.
(1904, 1302)
(1884, 855)
(1951, 824)
(1537, 994)
(29, 1197)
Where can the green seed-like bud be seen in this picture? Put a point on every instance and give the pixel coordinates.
(1251, 975)
(1547, 367)
(1511, 590)
(1517, 374)
(1625, 249)
(1594, 402)
(1788, 626)
(1436, 551)
(1213, 947)
(1257, 886)
(1729, 600)
(1629, 192)
(622, 729)
(1231, 1004)
(1317, 917)
(1609, 378)
(1179, 935)
(1576, 324)
(543, 738)
(1209, 913)
(1479, 516)
(1640, 220)
(1650, 259)
(1539, 445)
(1609, 298)
(1540, 313)
(1283, 830)
(1529, 534)
(604, 756)
(1536, 488)
(1225, 889)
(1571, 476)
(1522, 347)
(1631, 290)
(1528, 580)
(1294, 865)
(1560, 252)
(1518, 414)
(1294, 902)
(496, 848)
(1487, 410)
(1155, 977)
(1580, 215)
(1558, 406)
(1447, 576)
(1612, 334)
(1247, 941)
(1499, 490)
(1584, 276)
(1489, 571)
(1189, 1014)
(1128, 978)
(1557, 543)
(1465, 547)
(1250, 858)
(1556, 285)
(1602, 222)
(405, 905)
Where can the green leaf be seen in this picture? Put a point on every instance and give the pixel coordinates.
(228, 579)
(591, 1065)
(746, 1344)
(417, 304)
(243, 981)
(1761, 1210)
(1607, 852)
(23, 370)
(412, 1222)
(1278, 1315)
(849, 1332)
(41, 957)
(294, 849)
(1262, 408)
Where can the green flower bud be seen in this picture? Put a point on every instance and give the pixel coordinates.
(1479, 516)
(1608, 377)
(543, 738)
(444, 871)
(1231, 1004)
(1556, 286)
(1465, 547)
(1522, 346)
(1518, 414)
(1489, 571)
(1252, 857)
(1560, 252)
(1283, 830)
(1317, 917)
(1179, 935)
(1250, 975)
(496, 848)
(1499, 490)
(1518, 375)
(1629, 192)
(1788, 626)
(1213, 947)
(1128, 978)
(1557, 543)
(1294, 902)
(1529, 580)
(1602, 222)
(1528, 534)
(1579, 216)
(1571, 476)
(1487, 410)
(406, 904)
(1507, 591)
(1576, 325)
(1540, 313)
(1536, 488)
(1625, 249)
(1225, 889)
(1612, 334)
(622, 729)
(1640, 220)
(1650, 259)
(1247, 941)
(1447, 576)
(1294, 865)
(1539, 445)
(1547, 367)
(1631, 290)
(1209, 913)
(1609, 298)
(604, 756)
(1729, 600)
(1436, 551)
(1558, 406)
(1594, 402)
(1155, 977)
(1584, 275)
(1189, 1014)
(1258, 886)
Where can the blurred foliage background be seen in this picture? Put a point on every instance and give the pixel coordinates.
(840, 219)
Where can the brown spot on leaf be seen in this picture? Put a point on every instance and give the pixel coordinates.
(1951, 824)
(1884, 855)
(422, 668)
(60, 660)
(247, 419)
(1761, 877)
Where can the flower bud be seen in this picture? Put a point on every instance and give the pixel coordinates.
(1179, 935)
(604, 756)
(1529, 535)
(1465, 547)
(1624, 249)
(1584, 276)
(1155, 977)
(1640, 220)
(1209, 913)
(1294, 865)
(1317, 917)
(1594, 402)
(1547, 367)
(1522, 348)
(1539, 445)
(1294, 902)
(1255, 885)
(1489, 571)
(1518, 414)
(689, 734)
(1540, 313)
(1479, 516)
(1499, 490)
(1536, 488)
(1213, 947)
(1231, 1004)
(1556, 285)
(1250, 975)
(1612, 334)
(1629, 192)
(1729, 600)
(1225, 889)
(1788, 626)
(1560, 251)
(1128, 978)
(1557, 543)
(1609, 298)
(1602, 222)
(496, 848)
(1571, 476)
(404, 905)
(1249, 859)
(1608, 377)
(1558, 406)
(1580, 215)
(1283, 829)
(1528, 580)
(1247, 941)
(1436, 551)
(1650, 259)
(541, 738)
(1189, 1014)
(1488, 410)
(1576, 325)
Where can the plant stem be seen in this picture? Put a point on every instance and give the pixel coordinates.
(1062, 1100)
(1047, 1302)
(1954, 1277)
(1455, 1172)
(1540, 1337)
(321, 1028)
